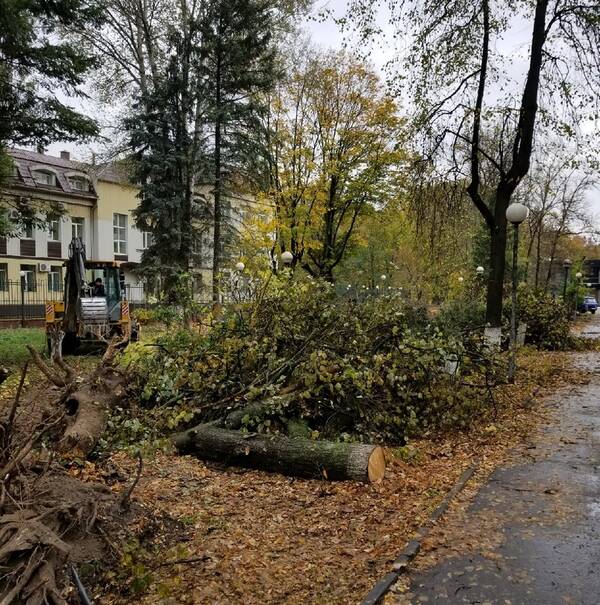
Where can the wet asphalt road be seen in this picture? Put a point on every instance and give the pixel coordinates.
(532, 535)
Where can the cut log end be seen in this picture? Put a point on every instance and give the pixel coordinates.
(376, 465)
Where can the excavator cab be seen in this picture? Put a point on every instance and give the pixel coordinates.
(95, 307)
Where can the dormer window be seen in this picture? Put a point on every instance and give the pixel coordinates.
(44, 177)
(79, 183)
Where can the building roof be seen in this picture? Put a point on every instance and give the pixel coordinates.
(62, 167)
(112, 172)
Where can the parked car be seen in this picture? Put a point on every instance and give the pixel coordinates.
(589, 304)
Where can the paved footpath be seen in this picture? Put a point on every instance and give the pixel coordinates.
(532, 535)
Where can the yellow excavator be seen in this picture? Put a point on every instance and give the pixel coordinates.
(87, 315)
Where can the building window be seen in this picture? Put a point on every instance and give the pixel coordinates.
(55, 279)
(146, 240)
(27, 232)
(29, 271)
(54, 230)
(77, 224)
(3, 277)
(27, 240)
(44, 177)
(120, 233)
(79, 183)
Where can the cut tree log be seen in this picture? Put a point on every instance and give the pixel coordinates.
(296, 457)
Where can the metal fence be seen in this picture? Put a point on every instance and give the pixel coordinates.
(26, 301)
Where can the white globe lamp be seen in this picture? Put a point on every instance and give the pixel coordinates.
(516, 213)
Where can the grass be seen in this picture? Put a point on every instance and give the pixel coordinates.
(13, 344)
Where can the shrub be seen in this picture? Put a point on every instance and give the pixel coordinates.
(375, 369)
(460, 316)
(547, 319)
(165, 314)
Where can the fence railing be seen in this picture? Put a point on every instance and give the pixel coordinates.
(26, 301)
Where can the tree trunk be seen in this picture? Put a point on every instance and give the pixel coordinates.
(218, 182)
(88, 401)
(495, 290)
(296, 457)
(89, 409)
(538, 257)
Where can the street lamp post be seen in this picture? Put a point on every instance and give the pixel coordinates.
(23, 285)
(287, 258)
(578, 277)
(516, 213)
(566, 266)
(238, 281)
(479, 271)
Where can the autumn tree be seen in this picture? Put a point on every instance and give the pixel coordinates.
(462, 88)
(189, 74)
(335, 146)
(415, 243)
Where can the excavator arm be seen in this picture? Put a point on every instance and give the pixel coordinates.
(74, 284)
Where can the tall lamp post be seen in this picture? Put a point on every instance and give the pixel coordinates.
(479, 271)
(23, 276)
(578, 277)
(516, 213)
(287, 258)
(566, 266)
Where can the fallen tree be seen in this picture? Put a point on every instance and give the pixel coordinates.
(87, 401)
(297, 457)
(46, 516)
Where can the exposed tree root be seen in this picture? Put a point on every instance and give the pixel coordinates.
(46, 515)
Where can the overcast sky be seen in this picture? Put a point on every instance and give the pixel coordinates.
(326, 34)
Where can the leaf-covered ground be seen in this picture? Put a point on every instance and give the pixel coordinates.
(252, 537)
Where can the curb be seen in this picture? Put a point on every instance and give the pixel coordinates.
(411, 550)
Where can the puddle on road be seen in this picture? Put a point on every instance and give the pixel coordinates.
(594, 508)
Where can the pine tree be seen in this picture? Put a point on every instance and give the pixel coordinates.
(197, 122)
(166, 132)
(239, 63)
